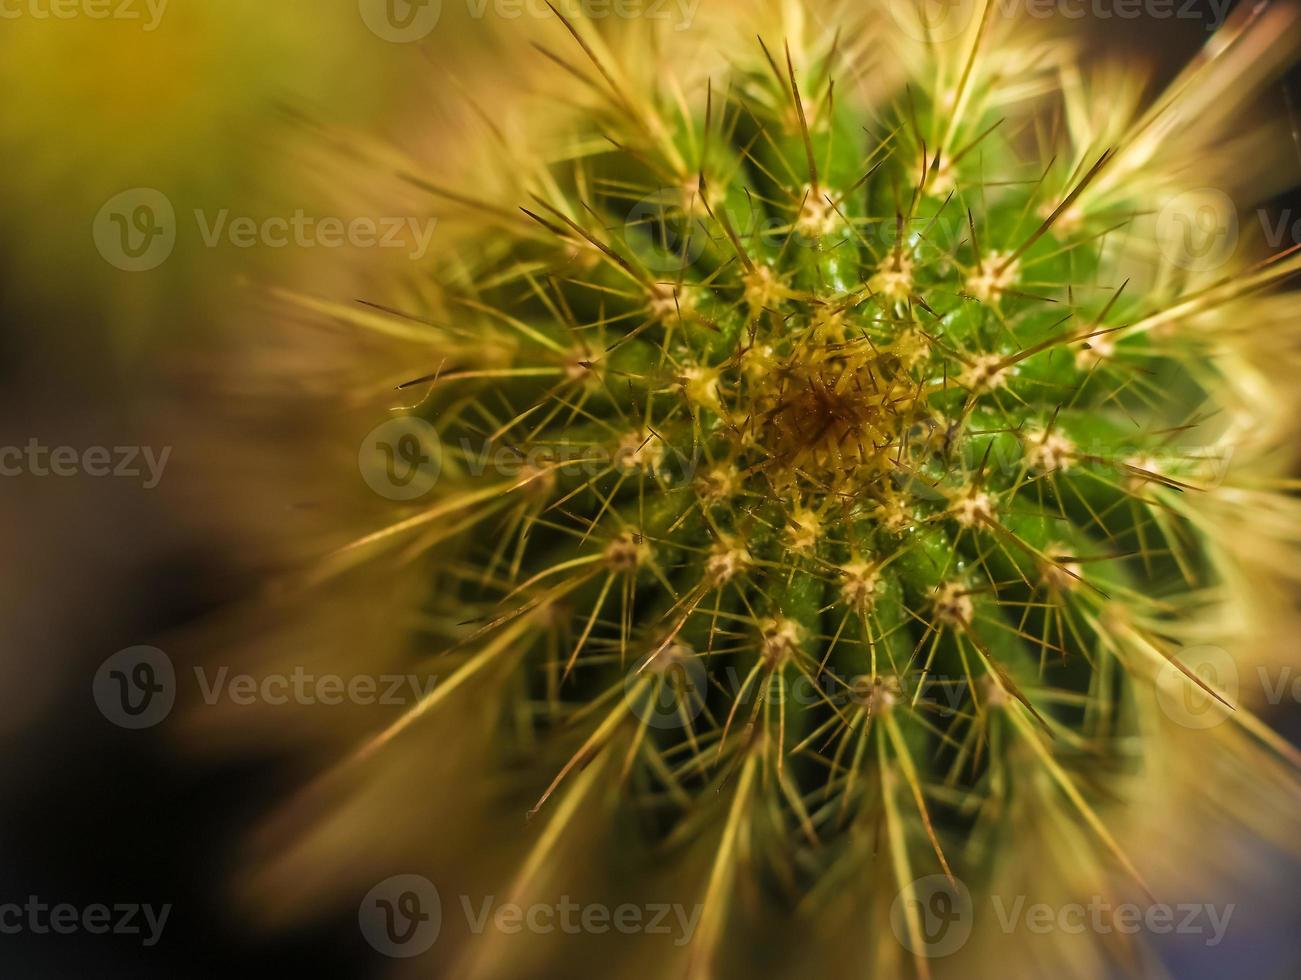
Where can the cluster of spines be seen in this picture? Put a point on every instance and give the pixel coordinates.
(784, 437)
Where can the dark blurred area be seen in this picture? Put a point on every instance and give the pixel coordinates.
(95, 813)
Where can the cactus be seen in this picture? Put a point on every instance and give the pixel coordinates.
(823, 474)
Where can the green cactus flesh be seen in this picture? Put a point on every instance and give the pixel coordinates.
(836, 468)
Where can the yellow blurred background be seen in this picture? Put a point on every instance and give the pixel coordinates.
(226, 111)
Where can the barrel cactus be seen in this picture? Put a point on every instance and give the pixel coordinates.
(823, 476)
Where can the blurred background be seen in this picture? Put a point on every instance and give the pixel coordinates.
(231, 109)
